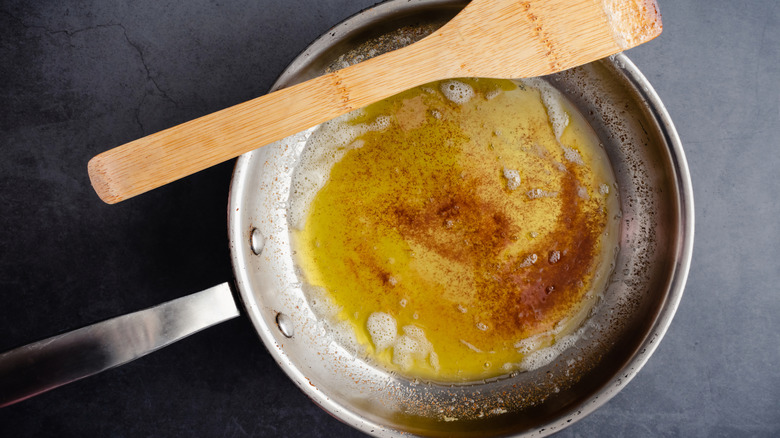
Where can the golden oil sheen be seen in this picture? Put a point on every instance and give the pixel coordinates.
(453, 231)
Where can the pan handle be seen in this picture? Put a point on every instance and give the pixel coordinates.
(38, 367)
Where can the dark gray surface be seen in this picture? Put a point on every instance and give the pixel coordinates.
(79, 77)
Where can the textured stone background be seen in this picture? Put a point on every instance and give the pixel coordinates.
(78, 77)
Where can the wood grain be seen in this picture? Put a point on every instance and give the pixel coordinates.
(489, 38)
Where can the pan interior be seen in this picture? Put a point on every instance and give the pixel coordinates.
(458, 231)
(634, 311)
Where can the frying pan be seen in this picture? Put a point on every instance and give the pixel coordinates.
(624, 328)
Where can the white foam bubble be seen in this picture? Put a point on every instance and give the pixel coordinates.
(572, 155)
(544, 356)
(408, 347)
(530, 260)
(413, 346)
(531, 343)
(405, 349)
(415, 332)
(543, 348)
(582, 192)
(553, 102)
(381, 123)
(539, 193)
(456, 91)
(383, 330)
(512, 178)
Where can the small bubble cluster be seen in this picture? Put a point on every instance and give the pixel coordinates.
(408, 347)
(456, 91)
(512, 179)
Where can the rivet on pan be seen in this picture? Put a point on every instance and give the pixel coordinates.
(257, 241)
(285, 324)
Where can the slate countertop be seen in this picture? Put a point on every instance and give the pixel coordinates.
(79, 77)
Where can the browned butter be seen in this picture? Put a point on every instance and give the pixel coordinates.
(462, 230)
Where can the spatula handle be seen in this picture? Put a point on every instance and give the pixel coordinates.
(182, 150)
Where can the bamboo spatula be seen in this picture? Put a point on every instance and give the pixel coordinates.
(488, 38)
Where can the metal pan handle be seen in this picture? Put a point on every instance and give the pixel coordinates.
(38, 367)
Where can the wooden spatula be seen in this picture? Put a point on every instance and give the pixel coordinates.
(489, 38)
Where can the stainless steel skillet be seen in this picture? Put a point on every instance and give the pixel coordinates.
(650, 272)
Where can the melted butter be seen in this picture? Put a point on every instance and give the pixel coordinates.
(463, 236)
